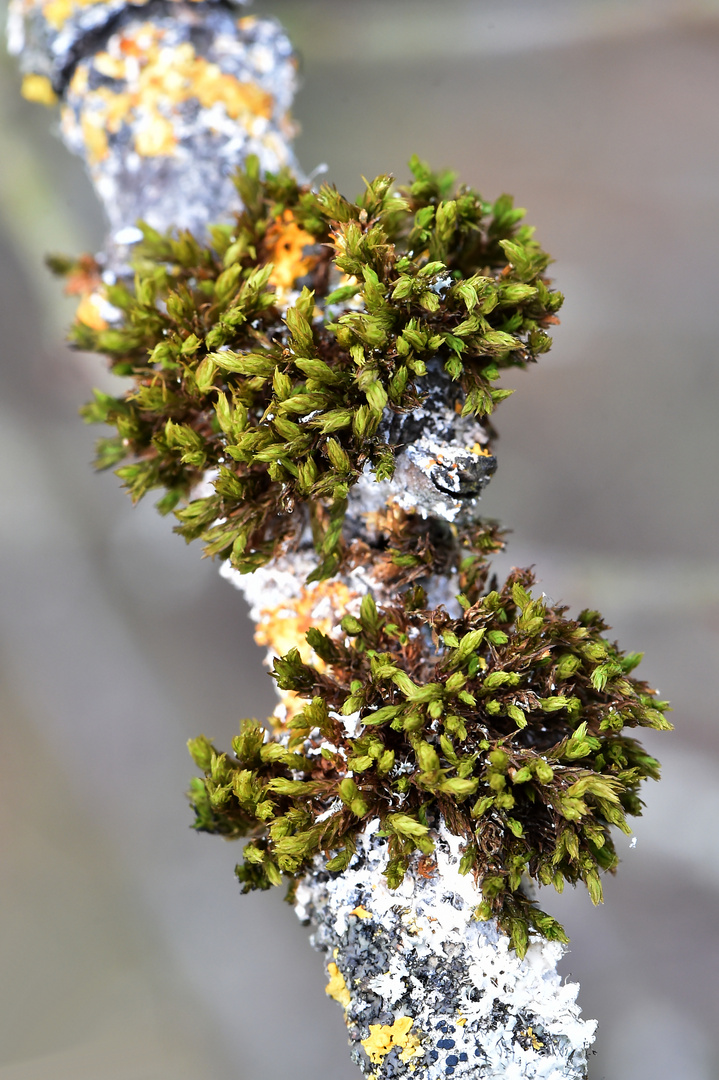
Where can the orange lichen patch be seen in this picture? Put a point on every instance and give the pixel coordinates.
(57, 12)
(88, 313)
(129, 46)
(105, 108)
(282, 628)
(84, 278)
(378, 1043)
(337, 987)
(211, 85)
(112, 67)
(321, 605)
(165, 78)
(383, 1038)
(117, 108)
(285, 243)
(481, 451)
(79, 81)
(38, 89)
(361, 912)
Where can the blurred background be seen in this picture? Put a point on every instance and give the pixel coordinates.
(126, 950)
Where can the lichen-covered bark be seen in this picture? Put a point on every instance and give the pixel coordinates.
(428, 990)
(164, 100)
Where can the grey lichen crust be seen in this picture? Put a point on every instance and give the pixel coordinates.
(165, 100)
(444, 460)
(211, 90)
(425, 987)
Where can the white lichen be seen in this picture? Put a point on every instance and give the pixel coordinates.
(419, 952)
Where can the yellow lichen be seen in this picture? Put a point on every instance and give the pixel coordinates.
(117, 107)
(361, 912)
(481, 451)
(383, 1038)
(110, 66)
(536, 1043)
(210, 85)
(282, 628)
(95, 136)
(57, 12)
(38, 88)
(88, 313)
(79, 81)
(337, 987)
(156, 137)
(378, 1043)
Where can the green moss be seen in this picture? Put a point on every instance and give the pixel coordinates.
(285, 402)
(510, 722)
(269, 359)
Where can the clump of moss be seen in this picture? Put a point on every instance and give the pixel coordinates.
(266, 362)
(509, 722)
(270, 356)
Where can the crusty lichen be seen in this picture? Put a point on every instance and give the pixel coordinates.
(418, 966)
(383, 1038)
(336, 987)
(141, 81)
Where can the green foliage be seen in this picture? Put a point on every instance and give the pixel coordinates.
(512, 726)
(282, 395)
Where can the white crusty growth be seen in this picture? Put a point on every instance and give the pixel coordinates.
(418, 954)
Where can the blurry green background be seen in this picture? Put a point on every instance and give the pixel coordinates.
(126, 951)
